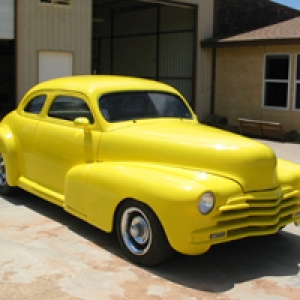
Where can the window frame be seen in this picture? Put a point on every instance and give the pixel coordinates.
(287, 81)
(296, 82)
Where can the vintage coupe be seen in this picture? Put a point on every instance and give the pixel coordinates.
(128, 155)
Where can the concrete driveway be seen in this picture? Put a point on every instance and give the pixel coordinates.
(47, 254)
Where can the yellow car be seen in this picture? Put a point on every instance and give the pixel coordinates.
(128, 155)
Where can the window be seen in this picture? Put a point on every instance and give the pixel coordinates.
(297, 88)
(69, 108)
(35, 105)
(125, 106)
(276, 81)
(62, 2)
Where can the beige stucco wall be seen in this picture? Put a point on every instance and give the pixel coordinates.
(46, 27)
(239, 85)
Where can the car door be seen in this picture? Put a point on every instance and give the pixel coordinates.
(60, 144)
(24, 127)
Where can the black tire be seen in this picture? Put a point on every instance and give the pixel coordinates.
(141, 235)
(5, 189)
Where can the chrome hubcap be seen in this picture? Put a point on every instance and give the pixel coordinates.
(136, 231)
(139, 230)
(2, 172)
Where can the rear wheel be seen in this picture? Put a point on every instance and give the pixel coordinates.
(5, 189)
(141, 235)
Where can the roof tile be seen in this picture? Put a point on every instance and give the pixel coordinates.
(285, 30)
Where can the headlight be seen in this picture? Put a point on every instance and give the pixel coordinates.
(206, 203)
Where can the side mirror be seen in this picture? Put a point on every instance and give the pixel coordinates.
(82, 122)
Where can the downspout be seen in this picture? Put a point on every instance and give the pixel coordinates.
(214, 60)
(213, 80)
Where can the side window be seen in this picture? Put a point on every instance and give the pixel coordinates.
(35, 105)
(69, 108)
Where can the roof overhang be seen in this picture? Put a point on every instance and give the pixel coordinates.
(228, 43)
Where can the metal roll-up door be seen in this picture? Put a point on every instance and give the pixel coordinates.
(146, 39)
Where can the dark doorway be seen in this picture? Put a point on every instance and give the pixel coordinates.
(146, 39)
(7, 77)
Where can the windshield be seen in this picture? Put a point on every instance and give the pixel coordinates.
(125, 106)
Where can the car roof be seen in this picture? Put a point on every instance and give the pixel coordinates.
(100, 84)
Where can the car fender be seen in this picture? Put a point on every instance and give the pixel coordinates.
(9, 152)
(94, 192)
(288, 173)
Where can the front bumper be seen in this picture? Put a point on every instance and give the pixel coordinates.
(252, 214)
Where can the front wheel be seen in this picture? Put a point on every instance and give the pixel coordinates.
(5, 189)
(141, 235)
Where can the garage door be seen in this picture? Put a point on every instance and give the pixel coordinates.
(153, 41)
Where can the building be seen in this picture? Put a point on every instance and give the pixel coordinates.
(153, 39)
(257, 72)
(206, 49)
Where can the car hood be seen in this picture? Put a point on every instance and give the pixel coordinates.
(194, 146)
